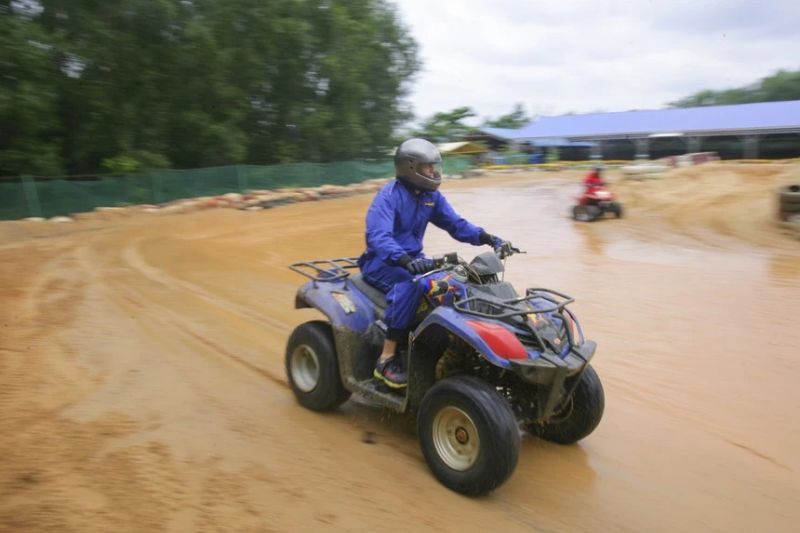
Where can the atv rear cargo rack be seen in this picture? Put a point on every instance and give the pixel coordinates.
(326, 270)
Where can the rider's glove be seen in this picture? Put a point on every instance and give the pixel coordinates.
(420, 265)
(487, 238)
(494, 241)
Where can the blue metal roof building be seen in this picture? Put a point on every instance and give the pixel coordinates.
(749, 121)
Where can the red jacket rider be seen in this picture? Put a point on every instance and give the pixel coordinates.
(594, 181)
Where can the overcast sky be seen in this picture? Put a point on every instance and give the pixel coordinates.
(562, 56)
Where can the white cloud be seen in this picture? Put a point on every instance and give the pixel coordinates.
(584, 56)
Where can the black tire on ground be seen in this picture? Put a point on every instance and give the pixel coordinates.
(468, 435)
(616, 208)
(790, 191)
(586, 213)
(594, 212)
(788, 210)
(313, 368)
(787, 204)
(579, 213)
(580, 415)
(789, 195)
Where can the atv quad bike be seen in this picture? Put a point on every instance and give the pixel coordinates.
(482, 361)
(595, 203)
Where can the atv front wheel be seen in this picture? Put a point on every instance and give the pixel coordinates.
(593, 212)
(581, 213)
(578, 416)
(616, 208)
(468, 435)
(312, 367)
(586, 213)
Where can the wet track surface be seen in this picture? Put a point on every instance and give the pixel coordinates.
(142, 383)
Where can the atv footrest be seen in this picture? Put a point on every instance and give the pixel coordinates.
(378, 393)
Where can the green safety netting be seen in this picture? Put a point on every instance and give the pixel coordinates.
(49, 197)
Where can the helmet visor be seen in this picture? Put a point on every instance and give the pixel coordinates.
(431, 171)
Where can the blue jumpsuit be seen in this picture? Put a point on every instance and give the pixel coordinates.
(396, 223)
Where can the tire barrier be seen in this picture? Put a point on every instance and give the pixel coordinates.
(788, 201)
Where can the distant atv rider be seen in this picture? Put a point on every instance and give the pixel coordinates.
(594, 180)
(396, 223)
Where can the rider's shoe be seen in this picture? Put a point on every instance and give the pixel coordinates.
(391, 373)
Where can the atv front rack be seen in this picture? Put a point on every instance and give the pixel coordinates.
(504, 309)
(326, 270)
(500, 309)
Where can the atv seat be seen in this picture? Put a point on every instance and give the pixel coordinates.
(375, 296)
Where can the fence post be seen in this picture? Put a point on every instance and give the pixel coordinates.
(241, 177)
(155, 179)
(31, 196)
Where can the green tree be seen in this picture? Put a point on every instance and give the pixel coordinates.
(446, 125)
(516, 119)
(783, 85)
(189, 83)
(30, 133)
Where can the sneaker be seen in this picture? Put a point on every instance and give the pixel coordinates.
(391, 373)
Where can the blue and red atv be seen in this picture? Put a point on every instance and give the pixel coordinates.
(482, 361)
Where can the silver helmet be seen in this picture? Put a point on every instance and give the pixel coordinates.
(419, 163)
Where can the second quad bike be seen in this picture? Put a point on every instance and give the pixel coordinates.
(595, 203)
(483, 361)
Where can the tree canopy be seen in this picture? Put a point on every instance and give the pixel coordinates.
(783, 85)
(445, 125)
(516, 119)
(92, 85)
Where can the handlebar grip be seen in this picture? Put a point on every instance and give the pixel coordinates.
(446, 259)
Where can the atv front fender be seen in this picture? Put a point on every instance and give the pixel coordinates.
(550, 375)
(549, 370)
(456, 323)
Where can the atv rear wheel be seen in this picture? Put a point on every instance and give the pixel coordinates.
(616, 208)
(468, 435)
(578, 417)
(313, 368)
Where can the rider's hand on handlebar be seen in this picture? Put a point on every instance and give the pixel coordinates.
(504, 248)
(501, 247)
(420, 265)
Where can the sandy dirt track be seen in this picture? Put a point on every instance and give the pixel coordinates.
(142, 384)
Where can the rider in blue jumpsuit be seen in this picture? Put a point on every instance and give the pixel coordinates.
(396, 223)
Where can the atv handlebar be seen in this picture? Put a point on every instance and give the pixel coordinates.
(507, 249)
(441, 262)
(447, 259)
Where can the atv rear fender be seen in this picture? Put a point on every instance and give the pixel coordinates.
(356, 334)
(343, 306)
